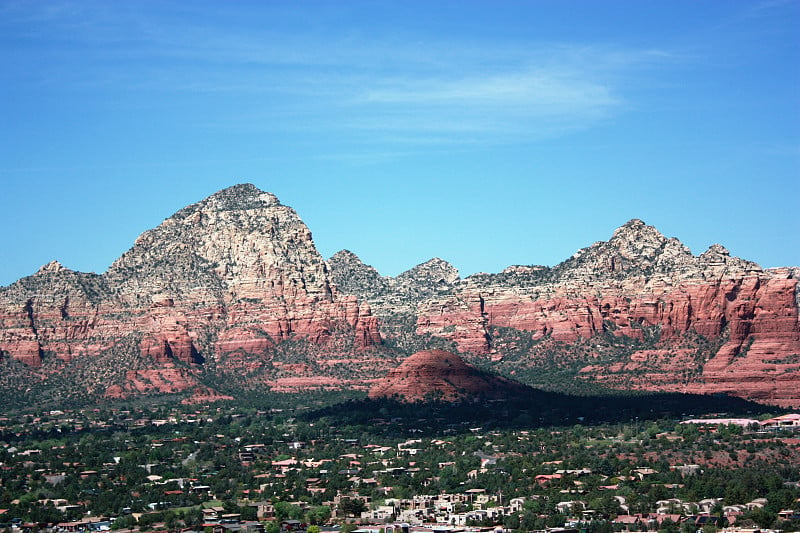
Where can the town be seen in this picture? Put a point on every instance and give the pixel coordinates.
(221, 469)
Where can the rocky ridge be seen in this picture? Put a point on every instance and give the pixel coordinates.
(235, 273)
(231, 294)
(388, 296)
(700, 324)
(641, 284)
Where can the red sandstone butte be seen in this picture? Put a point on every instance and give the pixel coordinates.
(442, 375)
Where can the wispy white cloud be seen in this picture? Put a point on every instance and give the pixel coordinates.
(518, 104)
(514, 89)
(532, 97)
(390, 90)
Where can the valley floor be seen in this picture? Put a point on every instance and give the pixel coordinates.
(219, 468)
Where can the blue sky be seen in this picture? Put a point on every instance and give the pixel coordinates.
(486, 133)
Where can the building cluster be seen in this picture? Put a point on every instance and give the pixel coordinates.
(245, 480)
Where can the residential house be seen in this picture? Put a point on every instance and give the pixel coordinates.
(792, 420)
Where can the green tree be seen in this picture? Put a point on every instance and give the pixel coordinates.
(352, 506)
(668, 526)
(170, 520)
(318, 514)
(709, 528)
(124, 522)
(287, 511)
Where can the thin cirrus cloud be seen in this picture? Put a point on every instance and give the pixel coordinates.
(395, 91)
(408, 104)
(415, 108)
(459, 104)
(508, 107)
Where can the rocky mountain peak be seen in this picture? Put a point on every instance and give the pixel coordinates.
(387, 295)
(717, 260)
(52, 266)
(236, 271)
(716, 251)
(240, 242)
(346, 256)
(635, 249)
(632, 224)
(351, 276)
(434, 271)
(242, 196)
(637, 239)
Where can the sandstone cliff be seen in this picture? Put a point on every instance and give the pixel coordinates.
(641, 284)
(231, 294)
(636, 312)
(235, 273)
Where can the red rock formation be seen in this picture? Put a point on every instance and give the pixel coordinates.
(255, 327)
(746, 306)
(51, 312)
(205, 395)
(168, 333)
(437, 374)
(20, 339)
(757, 313)
(235, 273)
(163, 380)
(761, 359)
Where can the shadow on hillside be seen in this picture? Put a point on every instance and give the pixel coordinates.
(529, 410)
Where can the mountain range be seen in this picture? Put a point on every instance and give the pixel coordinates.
(229, 296)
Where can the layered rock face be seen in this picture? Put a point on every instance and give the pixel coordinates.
(441, 375)
(57, 311)
(236, 281)
(236, 272)
(639, 281)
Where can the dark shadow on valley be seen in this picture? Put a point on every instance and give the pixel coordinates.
(529, 410)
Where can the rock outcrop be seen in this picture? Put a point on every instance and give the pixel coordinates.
(56, 311)
(444, 376)
(388, 296)
(352, 276)
(638, 283)
(236, 272)
(233, 289)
